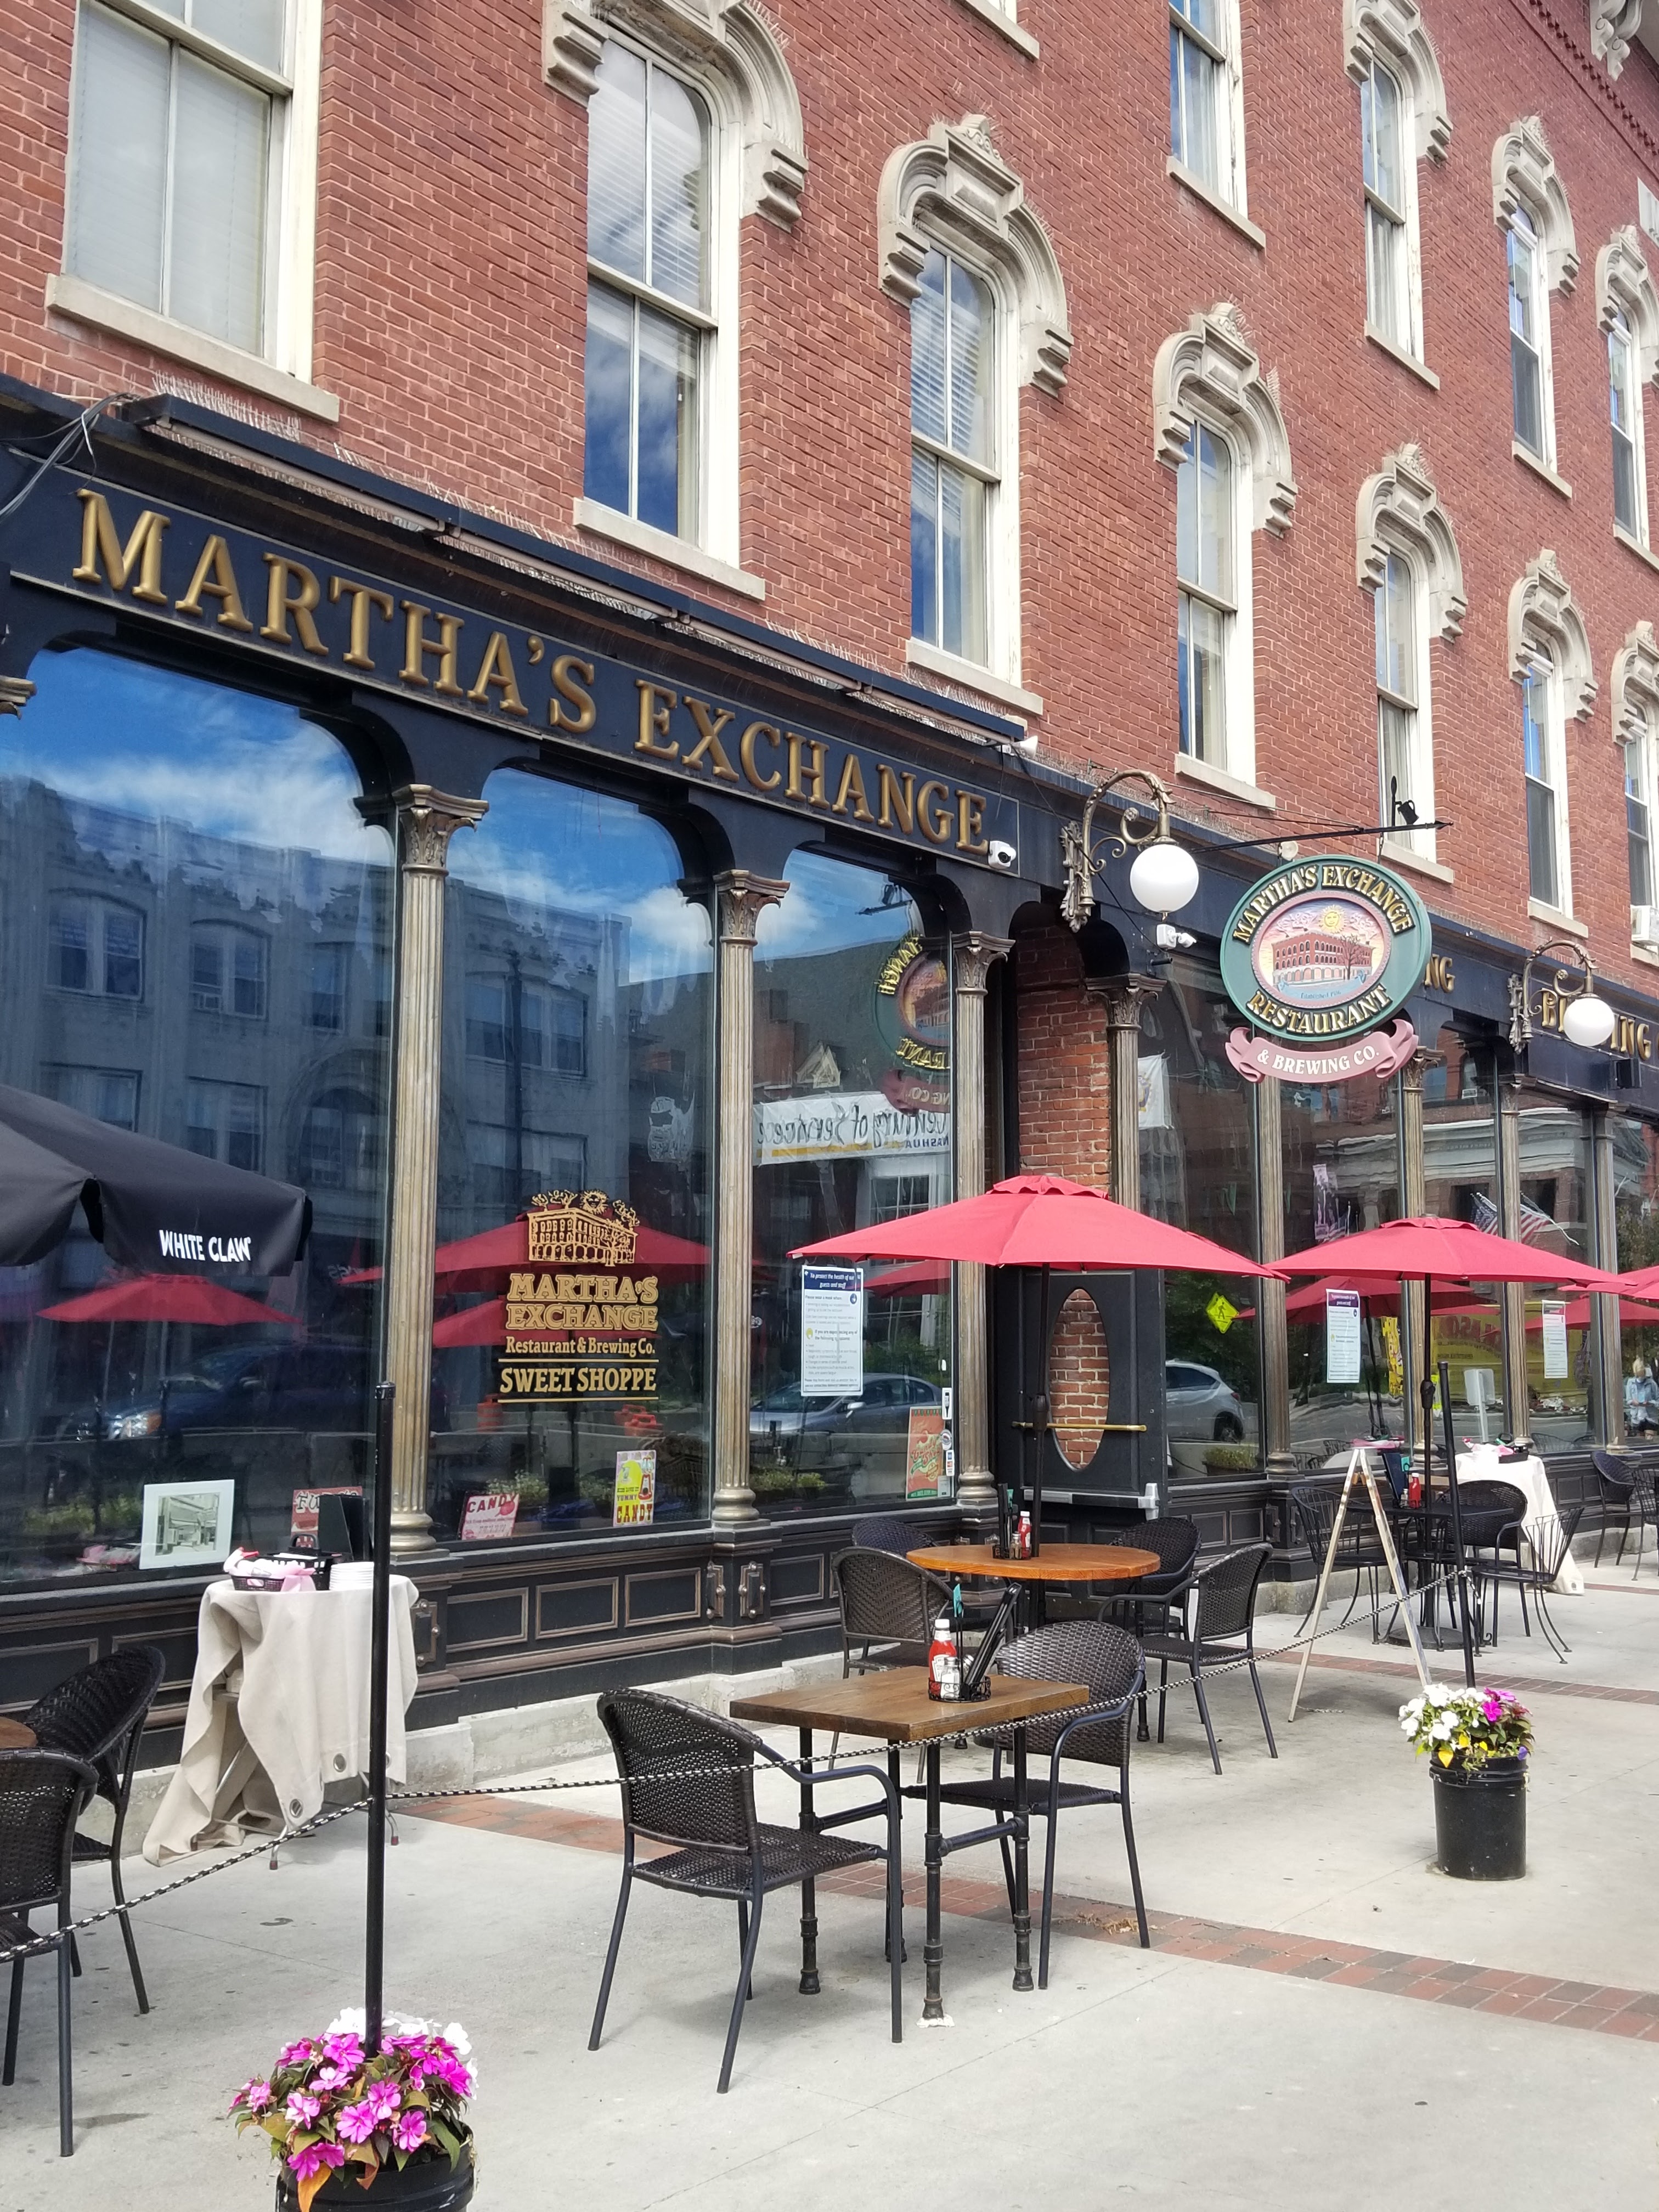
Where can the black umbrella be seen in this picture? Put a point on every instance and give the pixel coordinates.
(152, 1205)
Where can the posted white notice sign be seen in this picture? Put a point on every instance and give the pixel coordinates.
(831, 1331)
(1341, 1336)
(1555, 1341)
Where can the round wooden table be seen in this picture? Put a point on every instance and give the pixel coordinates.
(13, 1736)
(1055, 1563)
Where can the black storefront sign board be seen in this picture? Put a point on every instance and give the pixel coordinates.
(192, 574)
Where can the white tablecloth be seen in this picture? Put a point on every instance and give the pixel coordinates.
(1481, 1463)
(279, 1708)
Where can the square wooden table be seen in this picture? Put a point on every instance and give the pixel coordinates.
(894, 1707)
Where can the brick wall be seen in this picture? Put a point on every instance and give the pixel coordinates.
(1065, 1096)
(449, 305)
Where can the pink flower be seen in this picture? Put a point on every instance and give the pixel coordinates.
(329, 2077)
(313, 2157)
(302, 2110)
(258, 2095)
(356, 2122)
(383, 2098)
(454, 2076)
(292, 2053)
(345, 2049)
(409, 2129)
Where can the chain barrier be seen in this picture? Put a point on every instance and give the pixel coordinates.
(267, 1846)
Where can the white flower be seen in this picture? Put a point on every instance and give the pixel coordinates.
(1441, 1730)
(457, 2035)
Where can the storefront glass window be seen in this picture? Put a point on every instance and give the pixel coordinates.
(571, 1390)
(1341, 1174)
(1557, 1214)
(1636, 1213)
(1198, 1170)
(1460, 1176)
(174, 857)
(853, 1124)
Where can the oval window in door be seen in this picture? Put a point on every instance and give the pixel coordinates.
(1079, 1380)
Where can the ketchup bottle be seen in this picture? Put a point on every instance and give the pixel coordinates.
(943, 1661)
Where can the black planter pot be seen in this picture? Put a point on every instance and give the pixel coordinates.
(429, 2185)
(1480, 1821)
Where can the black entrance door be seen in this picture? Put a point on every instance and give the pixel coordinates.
(1130, 1451)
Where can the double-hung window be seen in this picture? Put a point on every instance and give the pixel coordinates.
(1207, 605)
(1639, 826)
(1625, 415)
(179, 145)
(1545, 875)
(1529, 336)
(1396, 698)
(650, 324)
(1382, 122)
(953, 458)
(1200, 92)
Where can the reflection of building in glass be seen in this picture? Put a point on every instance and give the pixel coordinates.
(1318, 959)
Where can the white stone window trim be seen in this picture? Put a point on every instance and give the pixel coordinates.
(1547, 637)
(1210, 373)
(1232, 198)
(281, 369)
(1524, 174)
(1003, 18)
(952, 192)
(1399, 512)
(596, 520)
(713, 43)
(1217, 779)
(1389, 34)
(1625, 286)
(1633, 689)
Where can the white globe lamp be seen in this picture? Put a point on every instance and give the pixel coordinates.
(1164, 877)
(1588, 1021)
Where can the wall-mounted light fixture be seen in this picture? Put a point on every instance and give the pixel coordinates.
(1587, 1019)
(1163, 875)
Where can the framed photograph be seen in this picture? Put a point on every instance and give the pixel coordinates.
(186, 1524)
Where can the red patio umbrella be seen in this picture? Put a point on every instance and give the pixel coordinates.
(477, 1263)
(1631, 1313)
(1379, 1296)
(167, 1298)
(1038, 1221)
(1640, 1283)
(909, 1278)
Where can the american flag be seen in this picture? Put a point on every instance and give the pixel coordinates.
(1535, 1221)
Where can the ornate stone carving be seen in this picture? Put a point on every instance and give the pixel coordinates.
(1613, 26)
(729, 41)
(1635, 686)
(1546, 625)
(1523, 174)
(973, 956)
(953, 189)
(1211, 369)
(428, 820)
(743, 898)
(1622, 281)
(1400, 512)
(15, 692)
(1391, 32)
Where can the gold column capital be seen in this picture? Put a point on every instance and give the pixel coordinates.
(428, 819)
(15, 692)
(973, 956)
(743, 898)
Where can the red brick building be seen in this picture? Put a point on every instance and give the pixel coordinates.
(760, 465)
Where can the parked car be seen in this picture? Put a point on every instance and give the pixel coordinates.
(311, 1385)
(1198, 1402)
(882, 1408)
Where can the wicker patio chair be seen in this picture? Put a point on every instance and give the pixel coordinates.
(1313, 1509)
(886, 1532)
(41, 1794)
(1097, 1735)
(99, 1715)
(1220, 1607)
(1534, 1568)
(1621, 1500)
(664, 1750)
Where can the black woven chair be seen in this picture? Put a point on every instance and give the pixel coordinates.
(99, 1715)
(1625, 1483)
(665, 1751)
(888, 1608)
(1313, 1509)
(41, 1794)
(1135, 1605)
(887, 1532)
(1108, 1660)
(1490, 1513)
(1220, 1607)
(1534, 1568)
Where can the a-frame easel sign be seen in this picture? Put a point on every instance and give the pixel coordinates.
(1359, 1473)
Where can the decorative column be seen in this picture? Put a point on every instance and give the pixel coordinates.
(971, 958)
(15, 692)
(1413, 1198)
(1516, 1403)
(426, 821)
(1271, 1326)
(1124, 997)
(1609, 1345)
(742, 897)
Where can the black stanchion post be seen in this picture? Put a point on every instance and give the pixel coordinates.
(1457, 1528)
(374, 1934)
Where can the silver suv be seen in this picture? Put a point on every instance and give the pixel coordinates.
(1199, 1403)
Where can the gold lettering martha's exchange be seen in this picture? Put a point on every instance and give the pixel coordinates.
(581, 1321)
(1321, 951)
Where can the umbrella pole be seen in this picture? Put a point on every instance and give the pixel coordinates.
(1039, 1412)
(1457, 1528)
(374, 1933)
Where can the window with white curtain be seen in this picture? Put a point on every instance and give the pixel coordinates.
(1202, 138)
(1530, 337)
(651, 322)
(1397, 730)
(1630, 505)
(1206, 573)
(1639, 825)
(177, 140)
(1543, 743)
(954, 474)
(1385, 125)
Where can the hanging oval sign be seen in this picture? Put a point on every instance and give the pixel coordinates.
(1324, 948)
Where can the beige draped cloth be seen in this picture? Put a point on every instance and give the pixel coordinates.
(279, 1709)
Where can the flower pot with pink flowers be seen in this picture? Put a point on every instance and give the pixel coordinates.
(392, 2124)
(1479, 1745)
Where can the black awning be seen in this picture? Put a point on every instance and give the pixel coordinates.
(153, 1206)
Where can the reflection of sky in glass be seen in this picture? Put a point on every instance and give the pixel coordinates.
(142, 741)
(831, 906)
(545, 847)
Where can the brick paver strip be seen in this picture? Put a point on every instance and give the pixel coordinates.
(1586, 2005)
(1534, 1685)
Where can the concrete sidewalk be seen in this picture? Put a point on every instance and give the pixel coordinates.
(1340, 2057)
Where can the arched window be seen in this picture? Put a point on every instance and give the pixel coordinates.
(1402, 120)
(1550, 659)
(1207, 137)
(1530, 207)
(953, 463)
(1634, 691)
(1628, 309)
(1206, 564)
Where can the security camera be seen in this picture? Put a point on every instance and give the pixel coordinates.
(1000, 855)
(1171, 940)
